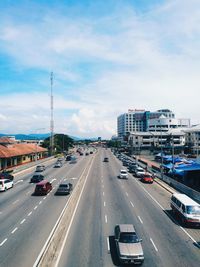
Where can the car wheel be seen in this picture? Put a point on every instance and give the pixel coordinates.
(5, 189)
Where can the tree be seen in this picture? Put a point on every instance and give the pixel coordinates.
(62, 142)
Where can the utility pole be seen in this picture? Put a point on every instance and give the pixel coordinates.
(52, 122)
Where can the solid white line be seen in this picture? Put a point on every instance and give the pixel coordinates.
(14, 230)
(56, 224)
(22, 221)
(40, 202)
(104, 203)
(127, 194)
(35, 207)
(140, 219)
(153, 244)
(30, 213)
(153, 198)
(108, 244)
(189, 236)
(106, 219)
(132, 204)
(3, 242)
(15, 201)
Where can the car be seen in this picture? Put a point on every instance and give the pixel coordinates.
(68, 157)
(64, 188)
(40, 168)
(123, 174)
(91, 152)
(106, 160)
(6, 184)
(58, 164)
(37, 178)
(6, 175)
(139, 172)
(43, 188)
(60, 160)
(86, 153)
(81, 153)
(128, 245)
(73, 160)
(147, 178)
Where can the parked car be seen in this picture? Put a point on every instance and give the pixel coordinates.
(147, 178)
(64, 188)
(128, 245)
(73, 160)
(6, 175)
(139, 172)
(123, 174)
(43, 188)
(40, 168)
(6, 184)
(37, 178)
(86, 153)
(106, 160)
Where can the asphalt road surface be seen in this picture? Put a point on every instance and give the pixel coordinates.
(26, 220)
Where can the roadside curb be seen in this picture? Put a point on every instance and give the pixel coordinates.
(164, 186)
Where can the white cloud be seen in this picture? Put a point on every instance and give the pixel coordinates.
(146, 61)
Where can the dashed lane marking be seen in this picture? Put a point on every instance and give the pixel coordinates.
(20, 181)
(106, 219)
(22, 221)
(13, 231)
(127, 194)
(132, 204)
(140, 219)
(4, 241)
(30, 213)
(104, 203)
(15, 201)
(40, 202)
(35, 207)
(153, 244)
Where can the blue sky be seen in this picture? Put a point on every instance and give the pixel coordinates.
(107, 57)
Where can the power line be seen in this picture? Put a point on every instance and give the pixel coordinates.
(52, 121)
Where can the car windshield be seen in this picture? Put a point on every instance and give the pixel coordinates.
(128, 238)
(193, 210)
(63, 185)
(123, 172)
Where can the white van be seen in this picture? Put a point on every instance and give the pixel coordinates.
(5, 184)
(186, 208)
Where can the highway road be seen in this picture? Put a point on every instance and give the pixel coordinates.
(26, 221)
(108, 201)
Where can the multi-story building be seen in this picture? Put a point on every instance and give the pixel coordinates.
(143, 121)
(193, 139)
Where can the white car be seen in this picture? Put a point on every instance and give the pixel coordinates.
(139, 172)
(123, 174)
(5, 184)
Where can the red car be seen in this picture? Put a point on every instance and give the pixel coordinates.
(147, 178)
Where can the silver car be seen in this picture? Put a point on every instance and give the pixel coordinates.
(128, 245)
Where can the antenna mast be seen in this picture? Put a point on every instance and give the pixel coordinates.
(52, 122)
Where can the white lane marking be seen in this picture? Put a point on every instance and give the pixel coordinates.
(106, 219)
(22, 221)
(30, 213)
(169, 215)
(103, 193)
(108, 244)
(104, 203)
(28, 192)
(132, 204)
(20, 181)
(74, 178)
(3, 242)
(40, 202)
(140, 219)
(54, 179)
(102, 186)
(127, 194)
(1, 212)
(15, 201)
(72, 218)
(44, 197)
(35, 207)
(13, 231)
(153, 244)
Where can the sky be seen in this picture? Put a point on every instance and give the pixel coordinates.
(107, 56)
